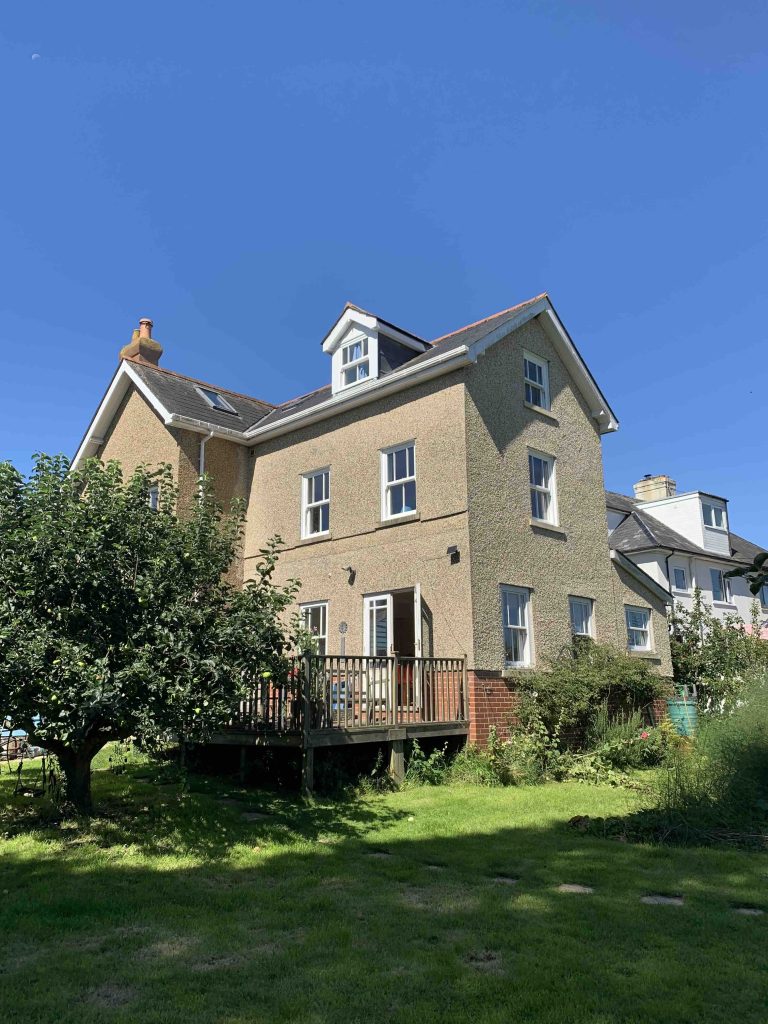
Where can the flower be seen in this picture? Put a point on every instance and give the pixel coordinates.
(644, 735)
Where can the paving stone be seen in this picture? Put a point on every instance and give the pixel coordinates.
(570, 887)
(506, 880)
(658, 900)
(749, 911)
(379, 853)
(253, 816)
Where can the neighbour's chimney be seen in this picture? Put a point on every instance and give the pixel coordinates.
(142, 348)
(651, 488)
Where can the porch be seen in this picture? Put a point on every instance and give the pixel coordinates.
(328, 700)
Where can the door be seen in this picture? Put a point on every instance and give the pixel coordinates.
(422, 625)
(377, 641)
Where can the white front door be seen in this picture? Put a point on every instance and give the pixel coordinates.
(377, 625)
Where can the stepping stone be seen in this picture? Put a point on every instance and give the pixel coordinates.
(658, 900)
(749, 911)
(379, 853)
(435, 867)
(569, 887)
(253, 816)
(506, 880)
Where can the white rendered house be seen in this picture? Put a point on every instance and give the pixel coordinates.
(684, 541)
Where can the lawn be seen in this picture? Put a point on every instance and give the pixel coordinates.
(417, 906)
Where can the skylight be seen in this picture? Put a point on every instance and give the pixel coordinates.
(215, 400)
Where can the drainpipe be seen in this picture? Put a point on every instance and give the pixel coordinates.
(201, 461)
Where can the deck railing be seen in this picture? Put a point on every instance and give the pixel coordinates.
(357, 692)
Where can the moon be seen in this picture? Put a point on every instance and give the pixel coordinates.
(35, 56)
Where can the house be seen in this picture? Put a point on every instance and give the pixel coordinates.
(684, 541)
(441, 501)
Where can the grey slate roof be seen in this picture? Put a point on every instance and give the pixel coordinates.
(641, 531)
(179, 395)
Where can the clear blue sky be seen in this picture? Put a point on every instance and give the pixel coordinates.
(238, 170)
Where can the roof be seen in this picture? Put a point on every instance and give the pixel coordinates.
(177, 400)
(642, 531)
(179, 395)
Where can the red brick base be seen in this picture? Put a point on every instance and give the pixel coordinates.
(492, 701)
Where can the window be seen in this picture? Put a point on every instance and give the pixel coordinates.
(581, 616)
(399, 481)
(154, 497)
(714, 516)
(316, 503)
(354, 362)
(721, 586)
(680, 579)
(315, 618)
(536, 373)
(638, 628)
(764, 595)
(541, 474)
(515, 602)
(215, 400)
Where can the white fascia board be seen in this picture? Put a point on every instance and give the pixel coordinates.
(349, 318)
(202, 427)
(402, 339)
(642, 577)
(153, 400)
(407, 377)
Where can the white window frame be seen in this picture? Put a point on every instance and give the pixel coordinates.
(763, 595)
(542, 385)
(714, 508)
(371, 604)
(307, 506)
(224, 405)
(387, 485)
(647, 629)
(354, 364)
(590, 606)
(551, 490)
(675, 570)
(322, 633)
(525, 628)
(725, 586)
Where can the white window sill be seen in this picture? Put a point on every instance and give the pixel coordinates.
(681, 593)
(542, 524)
(643, 653)
(510, 671)
(315, 538)
(542, 412)
(408, 517)
(725, 605)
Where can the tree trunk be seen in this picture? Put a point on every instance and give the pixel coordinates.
(76, 765)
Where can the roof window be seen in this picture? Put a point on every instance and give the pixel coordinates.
(215, 400)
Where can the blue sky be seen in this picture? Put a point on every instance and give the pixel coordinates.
(237, 171)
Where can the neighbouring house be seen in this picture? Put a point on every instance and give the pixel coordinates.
(684, 541)
(441, 501)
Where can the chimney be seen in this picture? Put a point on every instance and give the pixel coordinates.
(651, 488)
(142, 348)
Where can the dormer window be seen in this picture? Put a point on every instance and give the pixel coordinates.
(354, 362)
(714, 516)
(215, 400)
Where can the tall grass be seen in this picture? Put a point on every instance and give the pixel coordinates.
(722, 782)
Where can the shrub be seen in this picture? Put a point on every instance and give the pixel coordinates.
(581, 681)
(427, 769)
(721, 781)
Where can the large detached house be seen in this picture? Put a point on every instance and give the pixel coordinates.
(442, 503)
(684, 542)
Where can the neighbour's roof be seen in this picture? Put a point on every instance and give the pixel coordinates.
(641, 531)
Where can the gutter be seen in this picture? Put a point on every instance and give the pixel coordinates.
(397, 381)
(642, 577)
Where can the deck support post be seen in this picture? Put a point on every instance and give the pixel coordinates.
(307, 750)
(397, 761)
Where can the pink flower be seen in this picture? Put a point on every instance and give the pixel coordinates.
(644, 735)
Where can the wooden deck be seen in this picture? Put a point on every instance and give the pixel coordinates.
(337, 699)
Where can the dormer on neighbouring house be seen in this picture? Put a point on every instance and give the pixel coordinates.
(364, 348)
(701, 517)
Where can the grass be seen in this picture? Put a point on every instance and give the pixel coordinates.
(383, 909)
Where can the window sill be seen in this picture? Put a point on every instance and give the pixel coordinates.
(542, 412)
(316, 538)
(542, 524)
(411, 517)
(681, 593)
(651, 655)
(510, 672)
(726, 605)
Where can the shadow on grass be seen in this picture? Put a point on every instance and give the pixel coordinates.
(379, 910)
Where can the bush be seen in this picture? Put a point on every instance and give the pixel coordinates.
(427, 770)
(581, 681)
(721, 781)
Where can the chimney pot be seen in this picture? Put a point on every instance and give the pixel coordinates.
(143, 348)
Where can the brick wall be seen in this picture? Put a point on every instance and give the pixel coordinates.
(492, 701)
